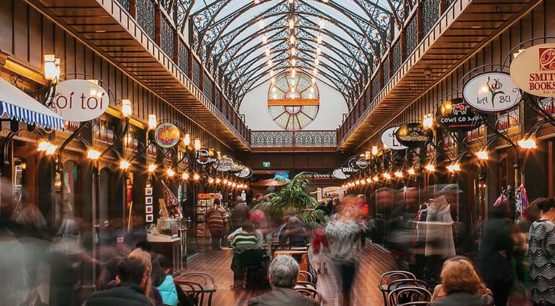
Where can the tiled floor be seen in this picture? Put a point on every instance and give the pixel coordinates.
(374, 261)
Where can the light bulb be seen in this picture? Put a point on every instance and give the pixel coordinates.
(428, 121)
(124, 165)
(51, 149)
(51, 67)
(386, 176)
(126, 109)
(152, 168)
(528, 143)
(187, 140)
(152, 123)
(170, 172)
(482, 155)
(93, 154)
(411, 171)
(196, 177)
(43, 145)
(430, 167)
(218, 180)
(197, 144)
(398, 174)
(185, 176)
(375, 150)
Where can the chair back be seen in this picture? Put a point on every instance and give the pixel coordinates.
(405, 295)
(311, 293)
(406, 282)
(391, 276)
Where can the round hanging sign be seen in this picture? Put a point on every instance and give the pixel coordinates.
(339, 174)
(361, 163)
(491, 92)
(533, 70)
(456, 115)
(413, 135)
(389, 139)
(166, 135)
(80, 100)
(245, 173)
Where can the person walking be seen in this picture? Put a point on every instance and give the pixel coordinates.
(345, 238)
(215, 223)
(541, 252)
(239, 214)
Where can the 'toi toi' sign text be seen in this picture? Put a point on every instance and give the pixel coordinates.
(80, 100)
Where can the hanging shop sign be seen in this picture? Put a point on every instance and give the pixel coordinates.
(236, 167)
(80, 100)
(349, 170)
(245, 173)
(224, 164)
(491, 92)
(533, 70)
(166, 135)
(389, 139)
(203, 157)
(413, 135)
(339, 174)
(455, 115)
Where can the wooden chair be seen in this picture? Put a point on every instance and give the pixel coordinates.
(409, 295)
(389, 277)
(204, 283)
(406, 282)
(311, 293)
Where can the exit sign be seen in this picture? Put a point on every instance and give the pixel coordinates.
(266, 164)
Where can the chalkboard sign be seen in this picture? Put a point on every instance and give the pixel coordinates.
(413, 135)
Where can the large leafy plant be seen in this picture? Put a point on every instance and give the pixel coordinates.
(294, 198)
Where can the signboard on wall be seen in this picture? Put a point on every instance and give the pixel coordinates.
(166, 135)
(413, 135)
(80, 100)
(491, 92)
(533, 70)
(455, 115)
(389, 139)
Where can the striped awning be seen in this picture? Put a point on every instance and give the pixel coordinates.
(17, 105)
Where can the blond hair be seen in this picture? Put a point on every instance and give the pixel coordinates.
(459, 275)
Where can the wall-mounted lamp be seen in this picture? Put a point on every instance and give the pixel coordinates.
(93, 154)
(124, 165)
(428, 121)
(152, 122)
(126, 109)
(152, 168)
(482, 155)
(197, 144)
(51, 68)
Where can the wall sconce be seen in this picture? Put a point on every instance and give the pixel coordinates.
(152, 168)
(374, 150)
(386, 176)
(197, 144)
(93, 154)
(482, 155)
(398, 174)
(51, 68)
(430, 167)
(124, 165)
(528, 143)
(376, 178)
(187, 140)
(170, 172)
(196, 177)
(428, 121)
(185, 176)
(126, 109)
(411, 171)
(152, 122)
(218, 180)
(453, 168)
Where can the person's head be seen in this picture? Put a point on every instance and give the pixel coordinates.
(217, 203)
(146, 260)
(283, 272)
(165, 263)
(238, 199)
(459, 275)
(248, 226)
(546, 205)
(132, 270)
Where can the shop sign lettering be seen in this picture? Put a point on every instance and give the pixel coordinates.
(203, 157)
(413, 135)
(533, 70)
(390, 139)
(455, 115)
(166, 135)
(79, 100)
(491, 92)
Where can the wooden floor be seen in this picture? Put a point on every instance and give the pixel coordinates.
(374, 261)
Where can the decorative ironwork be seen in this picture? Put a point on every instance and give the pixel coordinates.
(375, 86)
(168, 36)
(300, 139)
(126, 4)
(386, 70)
(411, 36)
(396, 56)
(207, 88)
(183, 57)
(430, 14)
(146, 16)
(196, 73)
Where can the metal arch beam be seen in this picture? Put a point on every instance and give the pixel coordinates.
(184, 8)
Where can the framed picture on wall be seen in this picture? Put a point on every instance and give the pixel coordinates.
(148, 200)
(149, 209)
(149, 218)
(148, 191)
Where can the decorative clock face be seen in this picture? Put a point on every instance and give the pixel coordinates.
(293, 101)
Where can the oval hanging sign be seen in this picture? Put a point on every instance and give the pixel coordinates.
(224, 164)
(245, 173)
(362, 163)
(456, 115)
(166, 135)
(339, 174)
(533, 70)
(80, 100)
(413, 135)
(491, 92)
(390, 140)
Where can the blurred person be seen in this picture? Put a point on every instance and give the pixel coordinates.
(239, 214)
(244, 238)
(541, 251)
(215, 223)
(440, 243)
(495, 254)
(284, 271)
(362, 208)
(335, 205)
(345, 238)
(165, 284)
(319, 247)
(460, 286)
(133, 283)
(294, 233)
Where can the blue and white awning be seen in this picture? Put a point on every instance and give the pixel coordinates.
(18, 105)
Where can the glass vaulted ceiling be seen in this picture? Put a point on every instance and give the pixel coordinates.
(232, 37)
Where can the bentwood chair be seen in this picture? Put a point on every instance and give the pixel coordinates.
(388, 277)
(404, 295)
(311, 293)
(204, 284)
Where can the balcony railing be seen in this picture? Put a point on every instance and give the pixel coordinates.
(421, 21)
(297, 139)
(160, 27)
